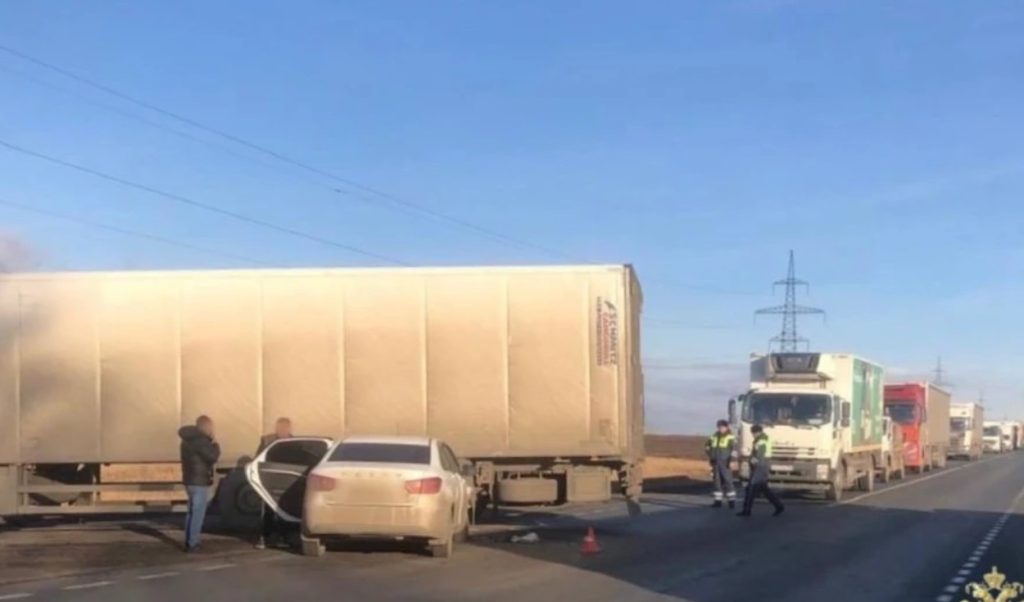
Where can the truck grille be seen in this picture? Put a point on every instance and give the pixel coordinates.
(786, 451)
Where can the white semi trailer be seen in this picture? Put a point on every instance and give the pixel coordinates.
(532, 374)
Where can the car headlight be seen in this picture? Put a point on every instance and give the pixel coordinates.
(821, 471)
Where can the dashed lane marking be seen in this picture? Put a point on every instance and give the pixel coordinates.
(17, 596)
(158, 575)
(216, 567)
(957, 582)
(91, 585)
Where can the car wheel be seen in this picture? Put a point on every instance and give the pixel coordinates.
(463, 533)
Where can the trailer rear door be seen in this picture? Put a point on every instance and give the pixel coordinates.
(278, 474)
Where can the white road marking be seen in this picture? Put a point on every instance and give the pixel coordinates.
(934, 475)
(975, 557)
(157, 575)
(92, 585)
(216, 567)
(17, 596)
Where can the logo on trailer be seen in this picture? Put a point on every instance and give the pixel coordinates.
(607, 323)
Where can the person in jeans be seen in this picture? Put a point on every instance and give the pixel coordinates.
(271, 529)
(199, 454)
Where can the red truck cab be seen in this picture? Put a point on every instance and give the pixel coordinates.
(922, 410)
(905, 405)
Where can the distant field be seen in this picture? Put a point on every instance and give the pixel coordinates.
(675, 446)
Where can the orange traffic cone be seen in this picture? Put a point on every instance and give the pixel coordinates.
(590, 545)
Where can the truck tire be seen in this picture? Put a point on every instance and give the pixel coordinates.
(239, 504)
(867, 482)
(834, 493)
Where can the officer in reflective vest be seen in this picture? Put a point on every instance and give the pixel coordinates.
(721, 449)
(760, 468)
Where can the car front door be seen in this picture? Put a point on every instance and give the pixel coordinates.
(460, 488)
(278, 474)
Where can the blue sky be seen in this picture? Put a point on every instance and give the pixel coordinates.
(699, 141)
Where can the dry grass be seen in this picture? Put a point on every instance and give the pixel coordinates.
(661, 468)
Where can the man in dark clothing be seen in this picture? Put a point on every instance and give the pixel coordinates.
(270, 530)
(721, 449)
(199, 454)
(760, 468)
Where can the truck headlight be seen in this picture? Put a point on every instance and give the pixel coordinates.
(821, 471)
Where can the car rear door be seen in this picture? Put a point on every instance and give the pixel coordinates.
(278, 474)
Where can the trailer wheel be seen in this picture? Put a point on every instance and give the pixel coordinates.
(867, 482)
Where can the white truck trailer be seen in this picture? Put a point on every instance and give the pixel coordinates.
(966, 423)
(823, 414)
(532, 374)
(993, 437)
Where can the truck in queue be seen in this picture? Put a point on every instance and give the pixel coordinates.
(922, 410)
(1011, 435)
(966, 422)
(532, 373)
(993, 437)
(823, 414)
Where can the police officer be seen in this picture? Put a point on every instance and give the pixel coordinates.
(721, 449)
(760, 467)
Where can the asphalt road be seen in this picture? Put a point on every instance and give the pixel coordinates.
(920, 539)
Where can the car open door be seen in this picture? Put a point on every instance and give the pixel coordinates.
(278, 474)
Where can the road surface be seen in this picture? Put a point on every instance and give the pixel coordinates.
(920, 539)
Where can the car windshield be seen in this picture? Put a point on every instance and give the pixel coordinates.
(388, 453)
(798, 409)
(992, 431)
(959, 425)
(902, 412)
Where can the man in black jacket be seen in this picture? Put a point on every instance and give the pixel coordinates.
(199, 454)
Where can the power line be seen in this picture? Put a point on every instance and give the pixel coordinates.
(126, 232)
(200, 205)
(393, 199)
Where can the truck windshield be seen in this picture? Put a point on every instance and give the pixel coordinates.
(807, 409)
(903, 412)
(959, 425)
(992, 431)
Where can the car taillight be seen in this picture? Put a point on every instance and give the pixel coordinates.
(425, 486)
(319, 482)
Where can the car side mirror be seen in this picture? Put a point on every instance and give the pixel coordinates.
(732, 411)
(845, 421)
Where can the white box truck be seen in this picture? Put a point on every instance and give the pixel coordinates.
(966, 423)
(823, 414)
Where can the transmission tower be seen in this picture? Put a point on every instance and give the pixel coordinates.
(788, 339)
(939, 373)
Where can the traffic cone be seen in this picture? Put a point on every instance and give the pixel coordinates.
(589, 545)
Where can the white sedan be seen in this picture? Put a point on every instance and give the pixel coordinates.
(403, 488)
